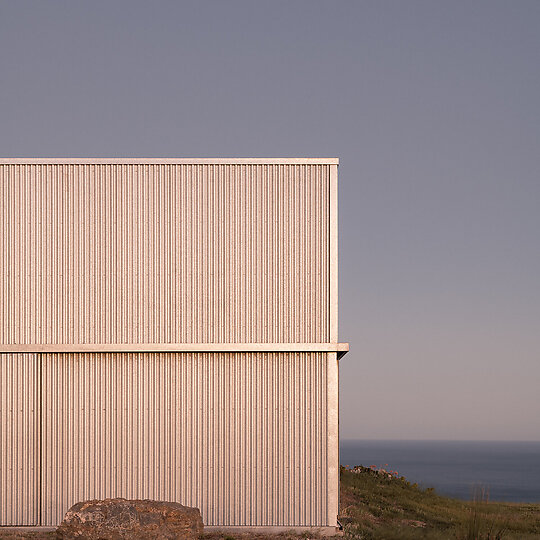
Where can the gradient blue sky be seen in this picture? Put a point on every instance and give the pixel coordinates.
(434, 110)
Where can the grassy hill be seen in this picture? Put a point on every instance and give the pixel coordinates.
(378, 504)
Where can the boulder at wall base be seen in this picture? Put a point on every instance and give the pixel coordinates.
(118, 519)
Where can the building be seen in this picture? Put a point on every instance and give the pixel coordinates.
(169, 330)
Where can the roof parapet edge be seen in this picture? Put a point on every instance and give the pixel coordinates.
(169, 161)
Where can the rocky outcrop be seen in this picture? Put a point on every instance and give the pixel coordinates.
(118, 519)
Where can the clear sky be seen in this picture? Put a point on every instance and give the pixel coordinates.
(434, 110)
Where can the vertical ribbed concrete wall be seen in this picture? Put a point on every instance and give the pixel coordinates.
(243, 437)
(19, 439)
(164, 253)
(180, 324)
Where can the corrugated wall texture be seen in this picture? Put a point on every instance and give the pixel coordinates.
(19, 441)
(243, 436)
(164, 253)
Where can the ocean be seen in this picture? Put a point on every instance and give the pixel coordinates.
(509, 471)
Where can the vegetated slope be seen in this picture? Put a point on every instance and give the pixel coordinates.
(378, 504)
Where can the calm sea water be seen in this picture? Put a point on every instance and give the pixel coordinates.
(510, 471)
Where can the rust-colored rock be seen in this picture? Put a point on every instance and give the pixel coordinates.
(119, 519)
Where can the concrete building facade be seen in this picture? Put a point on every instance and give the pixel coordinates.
(169, 330)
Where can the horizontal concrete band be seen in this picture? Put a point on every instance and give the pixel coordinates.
(170, 161)
(323, 531)
(340, 348)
